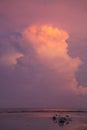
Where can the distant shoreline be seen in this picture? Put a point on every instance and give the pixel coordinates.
(43, 111)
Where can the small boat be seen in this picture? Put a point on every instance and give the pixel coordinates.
(62, 118)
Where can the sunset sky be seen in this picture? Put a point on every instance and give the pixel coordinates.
(43, 53)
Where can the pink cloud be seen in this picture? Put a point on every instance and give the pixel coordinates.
(10, 57)
(51, 48)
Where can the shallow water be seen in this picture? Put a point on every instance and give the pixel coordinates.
(40, 121)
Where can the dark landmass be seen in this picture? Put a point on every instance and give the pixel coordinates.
(40, 110)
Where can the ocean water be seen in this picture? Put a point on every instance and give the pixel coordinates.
(41, 119)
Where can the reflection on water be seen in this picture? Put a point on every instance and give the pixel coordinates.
(41, 121)
(62, 123)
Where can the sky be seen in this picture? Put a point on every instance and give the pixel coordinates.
(43, 53)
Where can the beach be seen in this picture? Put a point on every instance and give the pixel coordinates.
(40, 120)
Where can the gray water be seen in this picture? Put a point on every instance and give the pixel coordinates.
(40, 120)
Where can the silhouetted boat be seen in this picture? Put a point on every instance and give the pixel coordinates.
(62, 118)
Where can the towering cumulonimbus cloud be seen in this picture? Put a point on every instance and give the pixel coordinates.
(51, 48)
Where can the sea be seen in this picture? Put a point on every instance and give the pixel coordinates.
(41, 119)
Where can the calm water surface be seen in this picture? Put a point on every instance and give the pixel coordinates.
(40, 121)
